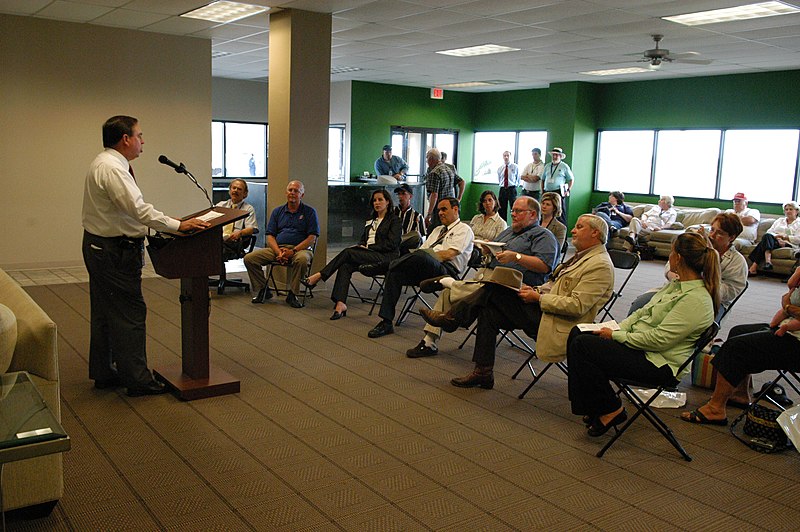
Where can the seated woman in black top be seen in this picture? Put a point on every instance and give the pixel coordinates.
(614, 211)
(380, 243)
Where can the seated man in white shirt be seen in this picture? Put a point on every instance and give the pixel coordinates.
(234, 233)
(749, 217)
(655, 219)
(445, 252)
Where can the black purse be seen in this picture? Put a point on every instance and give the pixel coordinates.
(761, 430)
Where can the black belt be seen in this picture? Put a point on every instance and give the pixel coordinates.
(121, 241)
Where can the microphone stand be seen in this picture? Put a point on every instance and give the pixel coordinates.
(198, 185)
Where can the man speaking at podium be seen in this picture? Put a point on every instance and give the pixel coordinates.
(115, 221)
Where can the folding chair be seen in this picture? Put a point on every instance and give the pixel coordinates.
(272, 283)
(560, 365)
(411, 301)
(246, 245)
(764, 393)
(724, 311)
(625, 387)
(622, 260)
(376, 280)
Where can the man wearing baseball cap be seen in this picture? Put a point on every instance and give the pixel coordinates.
(749, 217)
(388, 164)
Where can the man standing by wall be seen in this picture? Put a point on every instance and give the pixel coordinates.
(508, 179)
(558, 178)
(115, 221)
(439, 184)
(532, 175)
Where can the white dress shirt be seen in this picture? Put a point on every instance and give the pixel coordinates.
(113, 204)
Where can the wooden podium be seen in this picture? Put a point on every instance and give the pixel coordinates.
(192, 258)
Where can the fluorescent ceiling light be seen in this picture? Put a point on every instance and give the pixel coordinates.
(224, 11)
(465, 84)
(616, 71)
(483, 49)
(763, 9)
(344, 70)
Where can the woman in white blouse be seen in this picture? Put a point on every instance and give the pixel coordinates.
(784, 232)
(488, 224)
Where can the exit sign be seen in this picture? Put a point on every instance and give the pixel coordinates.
(437, 93)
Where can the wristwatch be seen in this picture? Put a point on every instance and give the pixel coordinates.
(518, 257)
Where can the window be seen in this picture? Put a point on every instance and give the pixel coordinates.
(412, 143)
(709, 164)
(767, 158)
(624, 161)
(336, 153)
(238, 149)
(490, 145)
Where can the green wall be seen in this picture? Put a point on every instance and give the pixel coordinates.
(572, 113)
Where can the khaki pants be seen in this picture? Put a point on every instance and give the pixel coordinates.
(297, 268)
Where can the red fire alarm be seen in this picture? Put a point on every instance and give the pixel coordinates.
(437, 93)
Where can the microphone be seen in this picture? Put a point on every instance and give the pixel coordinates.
(180, 168)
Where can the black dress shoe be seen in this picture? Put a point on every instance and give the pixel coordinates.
(338, 315)
(429, 286)
(373, 269)
(422, 350)
(598, 429)
(112, 382)
(263, 295)
(154, 388)
(293, 301)
(381, 329)
(439, 319)
(308, 285)
(480, 378)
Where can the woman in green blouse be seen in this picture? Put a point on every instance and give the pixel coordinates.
(651, 343)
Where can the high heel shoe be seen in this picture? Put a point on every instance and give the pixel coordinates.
(308, 285)
(338, 315)
(598, 429)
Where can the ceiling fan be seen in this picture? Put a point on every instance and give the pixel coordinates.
(657, 55)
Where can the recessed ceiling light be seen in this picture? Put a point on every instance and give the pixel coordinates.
(763, 9)
(616, 71)
(344, 70)
(482, 49)
(465, 84)
(224, 11)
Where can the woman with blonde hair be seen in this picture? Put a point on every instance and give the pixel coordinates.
(652, 343)
(551, 211)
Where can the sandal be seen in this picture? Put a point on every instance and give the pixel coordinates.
(697, 417)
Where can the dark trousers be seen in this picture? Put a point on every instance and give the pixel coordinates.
(532, 193)
(501, 308)
(592, 360)
(506, 199)
(768, 242)
(754, 348)
(344, 264)
(408, 270)
(118, 310)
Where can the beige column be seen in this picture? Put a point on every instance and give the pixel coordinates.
(299, 105)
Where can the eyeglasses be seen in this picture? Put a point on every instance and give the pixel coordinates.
(520, 211)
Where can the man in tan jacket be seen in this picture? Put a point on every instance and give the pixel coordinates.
(575, 293)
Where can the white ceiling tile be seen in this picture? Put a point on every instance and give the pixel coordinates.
(166, 7)
(477, 27)
(72, 11)
(179, 25)
(431, 20)
(482, 8)
(125, 18)
(22, 7)
(381, 11)
(227, 32)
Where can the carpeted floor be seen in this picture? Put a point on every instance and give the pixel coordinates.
(335, 431)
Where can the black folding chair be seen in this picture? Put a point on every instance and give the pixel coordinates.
(411, 301)
(375, 299)
(622, 260)
(642, 407)
(271, 282)
(724, 311)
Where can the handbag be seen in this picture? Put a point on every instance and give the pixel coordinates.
(761, 429)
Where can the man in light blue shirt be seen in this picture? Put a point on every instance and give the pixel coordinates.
(388, 164)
